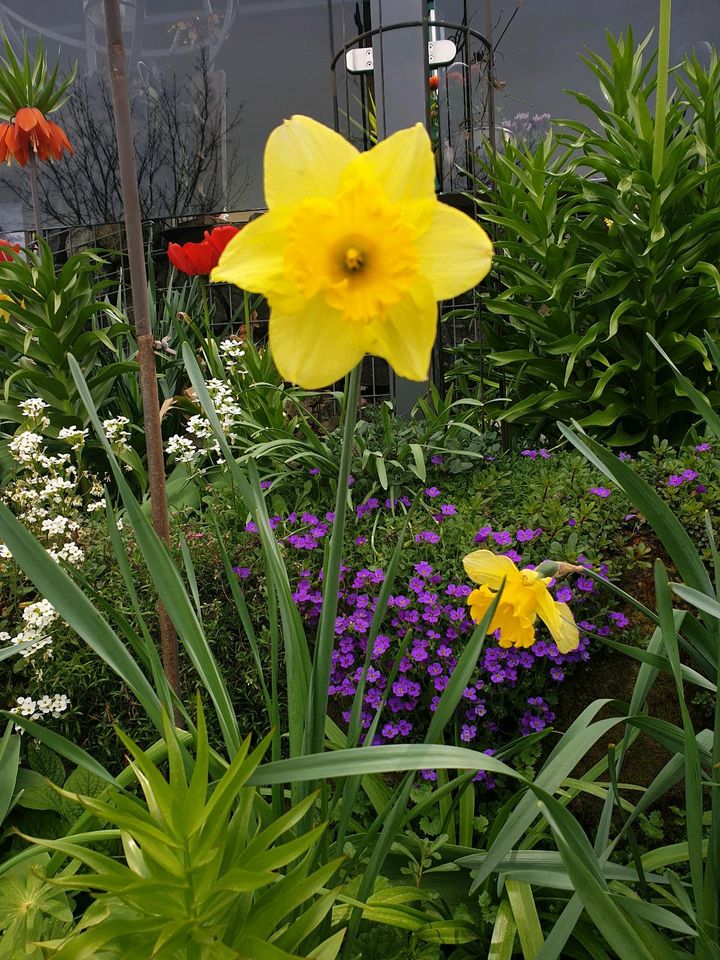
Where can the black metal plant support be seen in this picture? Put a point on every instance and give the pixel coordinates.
(138, 290)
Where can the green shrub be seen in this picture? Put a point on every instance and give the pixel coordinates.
(593, 251)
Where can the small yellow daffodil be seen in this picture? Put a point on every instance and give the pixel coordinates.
(4, 315)
(354, 252)
(525, 597)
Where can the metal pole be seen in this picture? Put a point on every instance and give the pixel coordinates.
(139, 298)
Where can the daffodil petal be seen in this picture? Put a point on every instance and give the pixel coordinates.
(559, 620)
(455, 253)
(486, 567)
(403, 164)
(253, 259)
(304, 159)
(405, 335)
(312, 345)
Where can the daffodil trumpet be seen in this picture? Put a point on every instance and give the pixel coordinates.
(525, 598)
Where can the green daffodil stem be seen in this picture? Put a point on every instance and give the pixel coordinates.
(322, 661)
(143, 334)
(661, 88)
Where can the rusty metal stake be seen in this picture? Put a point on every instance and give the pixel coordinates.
(138, 294)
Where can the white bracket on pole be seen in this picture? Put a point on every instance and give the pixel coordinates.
(440, 54)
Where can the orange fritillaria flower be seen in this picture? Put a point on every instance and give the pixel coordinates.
(31, 130)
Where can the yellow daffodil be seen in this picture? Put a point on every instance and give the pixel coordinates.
(4, 314)
(354, 252)
(525, 597)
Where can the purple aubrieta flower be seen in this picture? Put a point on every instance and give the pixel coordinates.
(532, 454)
(689, 474)
(314, 471)
(361, 541)
(572, 522)
(482, 534)
(423, 569)
(545, 454)
(675, 481)
(429, 775)
(265, 484)
(600, 492)
(503, 538)
(525, 536)
(251, 527)
(703, 448)
(432, 492)
(624, 456)
(513, 555)
(437, 460)
(468, 732)
(701, 488)
(242, 572)
(564, 595)
(427, 536)
(448, 509)
(585, 584)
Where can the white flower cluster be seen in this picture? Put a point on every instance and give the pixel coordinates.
(41, 707)
(75, 436)
(181, 448)
(45, 494)
(232, 352)
(116, 432)
(32, 409)
(37, 617)
(199, 437)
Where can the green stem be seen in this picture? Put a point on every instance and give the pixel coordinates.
(661, 88)
(35, 194)
(322, 660)
(248, 318)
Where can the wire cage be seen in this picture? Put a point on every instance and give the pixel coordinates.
(445, 79)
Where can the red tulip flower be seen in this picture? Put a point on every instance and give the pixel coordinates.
(6, 247)
(198, 259)
(434, 82)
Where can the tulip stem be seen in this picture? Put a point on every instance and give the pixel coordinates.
(35, 194)
(141, 316)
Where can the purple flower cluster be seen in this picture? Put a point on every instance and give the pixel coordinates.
(534, 454)
(504, 538)
(677, 480)
(537, 717)
(436, 614)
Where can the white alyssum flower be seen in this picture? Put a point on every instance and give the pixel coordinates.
(116, 432)
(5, 552)
(232, 352)
(40, 614)
(25, 446)
(181, 448)
(56, 526)
(69, 552)
(75, 436)
(33, 408)
(43, 706)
